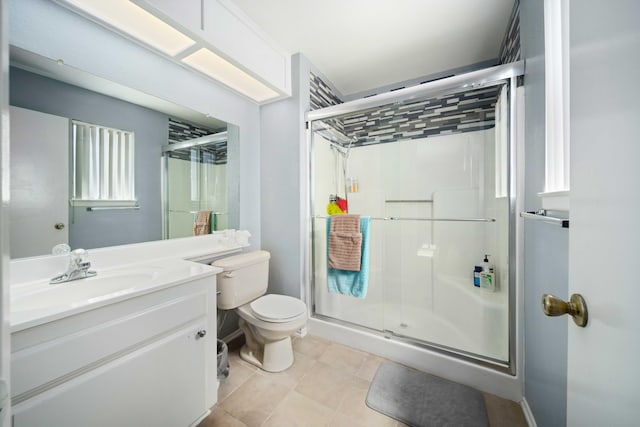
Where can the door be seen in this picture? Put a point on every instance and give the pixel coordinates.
(39, 182)
(5, 404)
(604, 244)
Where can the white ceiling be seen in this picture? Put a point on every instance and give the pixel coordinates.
(361, 45)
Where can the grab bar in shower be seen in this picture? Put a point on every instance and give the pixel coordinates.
(193, 212)
(541, 215)
(410, 201)
(395, 218)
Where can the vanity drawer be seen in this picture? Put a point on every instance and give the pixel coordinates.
(45, 364)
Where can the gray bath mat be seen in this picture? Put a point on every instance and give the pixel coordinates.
(423, 400)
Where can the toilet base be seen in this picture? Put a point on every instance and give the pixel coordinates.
(269, 355)
(276, 356)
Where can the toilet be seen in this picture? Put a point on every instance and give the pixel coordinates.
(268, 321)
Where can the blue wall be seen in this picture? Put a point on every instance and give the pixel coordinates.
(105, 228)
(546, 246)
(282, 187)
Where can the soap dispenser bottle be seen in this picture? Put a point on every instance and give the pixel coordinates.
(487, 277)
(485, 264)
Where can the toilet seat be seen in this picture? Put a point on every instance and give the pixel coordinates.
(277, 308)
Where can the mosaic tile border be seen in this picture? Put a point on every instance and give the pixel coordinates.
(454, 113)
(467, 111)
(181, 131)
(321, 95)
(211, 154)
(510, 49)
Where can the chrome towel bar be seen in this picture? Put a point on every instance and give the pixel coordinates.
(409, 201)
(541, 215)
(395, 218)
(112, 208)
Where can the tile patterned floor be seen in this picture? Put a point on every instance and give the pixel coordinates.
(326, 386)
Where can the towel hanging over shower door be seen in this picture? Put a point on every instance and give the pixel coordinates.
(345, 282)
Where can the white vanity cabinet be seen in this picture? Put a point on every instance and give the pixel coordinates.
(145, 361)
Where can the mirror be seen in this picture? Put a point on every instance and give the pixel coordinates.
(42, 103)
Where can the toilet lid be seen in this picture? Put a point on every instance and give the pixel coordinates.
(277, 308)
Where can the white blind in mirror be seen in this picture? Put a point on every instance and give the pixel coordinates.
(103, 164)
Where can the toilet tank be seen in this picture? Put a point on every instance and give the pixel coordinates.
(244, 278)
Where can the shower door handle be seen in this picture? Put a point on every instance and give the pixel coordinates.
(576, 307)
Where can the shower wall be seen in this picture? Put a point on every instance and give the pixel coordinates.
(421, 282)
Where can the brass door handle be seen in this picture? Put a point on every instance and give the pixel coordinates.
(576, 307)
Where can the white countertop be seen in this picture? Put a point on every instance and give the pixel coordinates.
(38, 302)
(123, 272)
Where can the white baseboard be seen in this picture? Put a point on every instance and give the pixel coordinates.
(528, 415)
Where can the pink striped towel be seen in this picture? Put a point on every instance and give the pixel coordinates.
(345, 243)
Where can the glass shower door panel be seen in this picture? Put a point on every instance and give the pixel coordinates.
(475, 319)
(196, 181)
(429, 293)
(328, 179)
(213, 180)
(180, 207)
(407, 266)
(368, 311)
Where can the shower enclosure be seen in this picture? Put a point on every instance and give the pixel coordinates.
(433, 170)
(195, 179)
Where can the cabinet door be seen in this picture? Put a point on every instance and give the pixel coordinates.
(161, 384)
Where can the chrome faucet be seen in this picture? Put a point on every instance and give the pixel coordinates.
(78, 268)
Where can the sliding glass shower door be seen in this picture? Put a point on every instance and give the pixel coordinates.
(431, 175)
(195, 179)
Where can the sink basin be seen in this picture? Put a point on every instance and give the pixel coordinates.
(85, 291)
(39, 301)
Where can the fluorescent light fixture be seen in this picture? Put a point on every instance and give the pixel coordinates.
(137, 22)
(222, 70)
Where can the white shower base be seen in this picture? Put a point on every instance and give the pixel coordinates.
(456, 316)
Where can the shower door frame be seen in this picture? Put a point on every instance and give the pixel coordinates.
(502, 74)
(164, 165)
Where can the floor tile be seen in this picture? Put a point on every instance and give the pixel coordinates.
(255, 400)
(301, 366)
(327, 385)
(221, 418)
(369, 367)
(354, 405)
(343, 357)
(310, 346)
(238, 374)
(298, 410)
